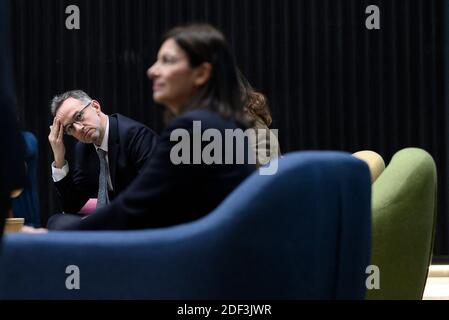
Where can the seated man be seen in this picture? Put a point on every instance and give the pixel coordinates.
(110, 152)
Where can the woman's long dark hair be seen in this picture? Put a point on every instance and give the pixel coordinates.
(255, 103)
(203, 43)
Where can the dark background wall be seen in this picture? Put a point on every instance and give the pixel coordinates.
(331, 83)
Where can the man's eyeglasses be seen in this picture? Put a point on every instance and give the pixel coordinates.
(77, 118)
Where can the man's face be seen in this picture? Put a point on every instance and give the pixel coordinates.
(84, 123)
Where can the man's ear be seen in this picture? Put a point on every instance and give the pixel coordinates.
(203, 74)
(95, 104)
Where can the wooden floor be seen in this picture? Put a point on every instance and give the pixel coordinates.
(437, 286)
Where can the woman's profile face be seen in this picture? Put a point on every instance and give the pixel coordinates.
(173, 78)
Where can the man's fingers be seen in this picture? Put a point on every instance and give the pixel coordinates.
(61, 132)
(50, 135)
(54, 129)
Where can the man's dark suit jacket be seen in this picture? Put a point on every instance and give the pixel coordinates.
(165, 193)
(130, 145)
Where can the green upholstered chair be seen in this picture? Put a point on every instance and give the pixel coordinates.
(404, 216)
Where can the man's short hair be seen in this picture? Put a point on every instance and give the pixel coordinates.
(58, 100)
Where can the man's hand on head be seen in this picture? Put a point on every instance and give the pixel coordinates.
(56, 139)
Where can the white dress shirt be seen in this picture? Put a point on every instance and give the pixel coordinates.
(60, 173)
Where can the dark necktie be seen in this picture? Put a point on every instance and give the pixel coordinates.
(103, 197)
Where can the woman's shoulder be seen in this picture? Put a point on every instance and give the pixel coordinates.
(204, 118)
(259, 123)
(201, 114)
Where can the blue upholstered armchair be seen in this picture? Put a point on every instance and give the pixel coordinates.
(303, 233)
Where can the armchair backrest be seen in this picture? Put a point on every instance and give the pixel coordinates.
(404, 216)
(374, 161)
